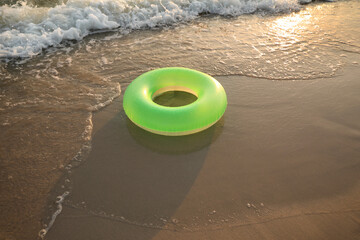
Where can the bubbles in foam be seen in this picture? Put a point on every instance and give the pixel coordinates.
(59, 200)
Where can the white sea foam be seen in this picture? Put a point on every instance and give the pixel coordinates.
(26, 30)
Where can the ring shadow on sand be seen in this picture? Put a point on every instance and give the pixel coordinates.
(133, 176)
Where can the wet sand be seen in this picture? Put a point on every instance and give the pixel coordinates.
(283, 163)
(31, 162)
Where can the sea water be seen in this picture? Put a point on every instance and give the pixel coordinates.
(63, 60)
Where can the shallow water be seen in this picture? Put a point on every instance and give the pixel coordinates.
(85, 76)
(47, 100)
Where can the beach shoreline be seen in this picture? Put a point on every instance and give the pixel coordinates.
(282, 162)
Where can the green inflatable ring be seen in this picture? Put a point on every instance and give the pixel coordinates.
(174, 121)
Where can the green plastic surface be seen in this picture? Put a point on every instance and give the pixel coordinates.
(197, 116)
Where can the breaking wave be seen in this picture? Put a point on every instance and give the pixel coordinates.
(26, 29)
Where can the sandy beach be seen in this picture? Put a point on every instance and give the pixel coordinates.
(282, 163)
(256, 174)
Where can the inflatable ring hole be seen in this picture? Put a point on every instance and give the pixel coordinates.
(174, 97)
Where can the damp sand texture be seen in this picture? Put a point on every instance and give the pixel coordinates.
(283, 162)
